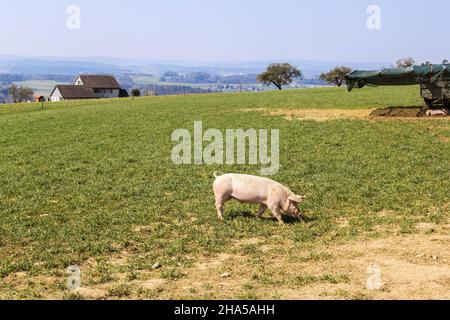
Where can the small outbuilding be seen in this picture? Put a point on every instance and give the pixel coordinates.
(39, 98)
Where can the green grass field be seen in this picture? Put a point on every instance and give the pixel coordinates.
(92, 183)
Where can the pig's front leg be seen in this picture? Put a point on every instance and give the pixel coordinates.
(277, 214)
(262, 209)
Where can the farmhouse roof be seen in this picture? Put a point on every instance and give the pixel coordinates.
(99, 81)
(75, 92)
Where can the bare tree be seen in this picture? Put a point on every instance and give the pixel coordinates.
(336, 75)
(279, 74)
(20, 94)
(405, 62)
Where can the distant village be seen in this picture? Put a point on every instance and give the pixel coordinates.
(97, 86)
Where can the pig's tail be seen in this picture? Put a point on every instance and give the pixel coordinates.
(217, 174)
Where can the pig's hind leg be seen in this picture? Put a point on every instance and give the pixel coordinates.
(220, 202)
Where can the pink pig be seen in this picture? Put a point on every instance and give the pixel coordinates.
(251, 189)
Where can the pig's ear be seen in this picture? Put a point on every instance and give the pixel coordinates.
(296, 198)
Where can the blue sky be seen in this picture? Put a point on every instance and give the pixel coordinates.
(228, 30)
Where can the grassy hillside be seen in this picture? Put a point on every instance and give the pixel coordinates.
(320, 98)
(87, 181)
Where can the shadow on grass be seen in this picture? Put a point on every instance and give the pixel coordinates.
(398, 111)
(236, 214)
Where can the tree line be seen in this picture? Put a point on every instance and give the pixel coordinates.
(282, 74)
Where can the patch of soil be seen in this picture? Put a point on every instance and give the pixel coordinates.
(410, 267)
(441, 132)
(152, 284)
(315, 114)
(92, 293)
(321, 115)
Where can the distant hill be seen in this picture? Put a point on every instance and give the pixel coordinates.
(71, 66)
(60, 67)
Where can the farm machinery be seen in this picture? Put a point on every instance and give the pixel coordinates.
(434, 81)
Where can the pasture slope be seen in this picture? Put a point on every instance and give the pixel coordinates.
(91, 183)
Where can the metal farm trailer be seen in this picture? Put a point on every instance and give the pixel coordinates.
(434, 81)
(434, 94)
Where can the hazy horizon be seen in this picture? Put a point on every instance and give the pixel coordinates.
(227, 31)
(169, 61)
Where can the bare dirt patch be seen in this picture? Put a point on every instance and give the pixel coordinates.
(315, 114)
(321, 115)
(441, 132)
(92, 293)
(411, 267)
(152, 284)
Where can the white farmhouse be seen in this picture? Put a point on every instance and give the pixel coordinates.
(87, 87)
(68, 92)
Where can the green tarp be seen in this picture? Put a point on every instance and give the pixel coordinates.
(429, 73)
